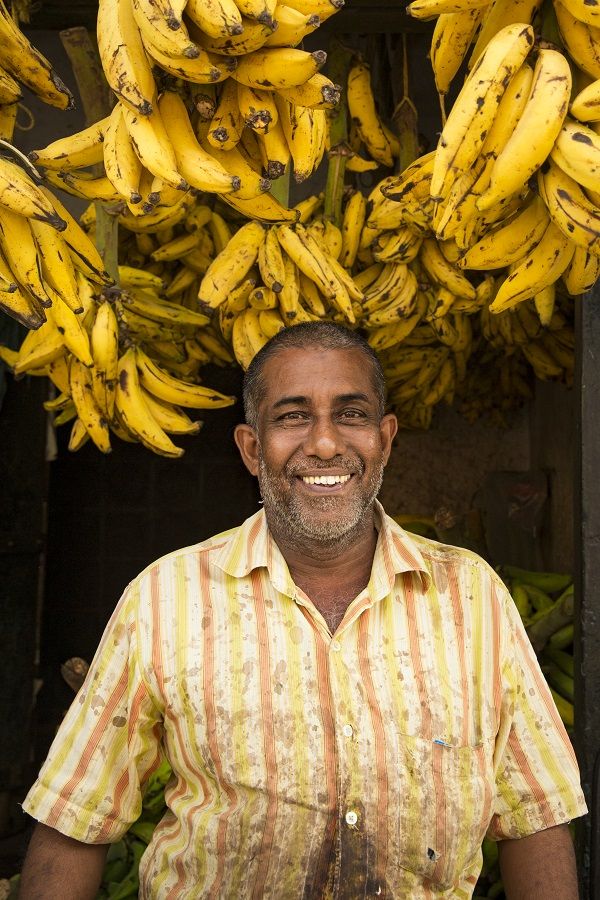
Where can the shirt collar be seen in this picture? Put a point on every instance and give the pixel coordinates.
(251, 546)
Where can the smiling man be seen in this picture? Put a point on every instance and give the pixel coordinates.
(348, 710)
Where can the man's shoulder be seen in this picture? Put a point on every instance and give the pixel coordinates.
(437, 553)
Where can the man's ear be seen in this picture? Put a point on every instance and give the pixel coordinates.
(247, 444)
(387, 428)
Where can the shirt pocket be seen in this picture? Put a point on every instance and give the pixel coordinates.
(446, 805)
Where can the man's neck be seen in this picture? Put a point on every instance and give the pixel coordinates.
(346, 560)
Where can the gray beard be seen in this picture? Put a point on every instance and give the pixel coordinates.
(292, 520)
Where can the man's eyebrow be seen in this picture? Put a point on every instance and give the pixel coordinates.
(301, 400)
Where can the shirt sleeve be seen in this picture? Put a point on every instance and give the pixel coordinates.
(537, 777)
(90, 786)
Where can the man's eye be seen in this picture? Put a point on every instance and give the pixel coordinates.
(352, 414)
(293, 417)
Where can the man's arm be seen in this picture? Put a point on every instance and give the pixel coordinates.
(60, 868)
(539, 866)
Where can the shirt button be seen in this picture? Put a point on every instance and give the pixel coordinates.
(335, 645)
(348, 730)
(351, 818)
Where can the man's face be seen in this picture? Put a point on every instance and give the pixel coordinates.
(320, 446)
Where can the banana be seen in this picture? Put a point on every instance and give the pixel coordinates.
(171, 419)
(544, 302)
(452, 37)
(510, 240)
(401, 305)
(178, 247)
(17, 243)
(172, 390)
(56, 265)
(197, 167)
(231, 266)
(207, 68)
(274, 150)
(257, 108)
(361, 105)
(570, 209)
(473, 112)
(305, 130)
(291, 27)
(498, 15)
(401, 246)
(442, 272)
(19, 194)
(74, 336)
(536, 131)
(390, 283)
(121, 163)
(278, 67)
(310, 296)
(577, 152)
(84, 254)
(84, 148)
(585, 106)
(84, 185)
(270, 261)
(104, 342)
(255, 336)
(541, 267)
(389, 335)
(583, 11)
(544, 366)
(582, 272)
(252, 37)
(264, 208)
(135, 413)
(242, 348)
(8, 121)
(126, 66)
(321, 8)
(263, 298)
(27, 64)
(309, 258)
(271, 322)
(160, 27)
(152, 307)
(10, 92)
(353, 221)
(218, 18)
(427, 9)
(226, 126)
(153, 146)
(261, 10)
(212, 345)
(319, 92)
(22, 307)
(88, 411)
(581, 41)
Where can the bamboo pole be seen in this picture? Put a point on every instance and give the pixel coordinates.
(96, 99)
(339, 63)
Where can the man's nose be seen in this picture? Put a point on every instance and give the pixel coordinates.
(324, 440)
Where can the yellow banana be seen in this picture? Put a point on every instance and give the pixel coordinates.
(581, 41)
(152, 307)
(257, 108)
(270, 261)
(88, 411)
(473, 112)
(569, 208)
(56, 265)
(261, 10)
(74, 336)
(318, 92)
(264, 208)
(582, 272)
(274, 150)
(291, 26)
(171, 389)
(159, 26)
(498, 15)
(216, 17)
(27, 64)
(305, 130)
(353, 220)
(171, 419)
(510, 240)
(84, 148)
(104, 342)
(231, 265)
(321, 8)
(542, 266)
(17, 243)
(19, 194)
(536, 130)
(153, 145)
(278, 67)
(442, 272)
(121, 163)
(361, 105)
(135, 413)
(126, 66)
(427, 9)
(583, 11)
(452, 37)
(226, 126)
(207, 68)
(585, 106)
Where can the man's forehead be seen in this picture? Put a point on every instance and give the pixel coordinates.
(316, 370)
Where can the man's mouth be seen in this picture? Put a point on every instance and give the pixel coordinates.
(326, 480)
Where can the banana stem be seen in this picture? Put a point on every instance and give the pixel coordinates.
(281, 187)
(96, 100)
(549, 621)
(339, 64)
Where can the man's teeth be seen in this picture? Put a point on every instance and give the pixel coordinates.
(325, 479)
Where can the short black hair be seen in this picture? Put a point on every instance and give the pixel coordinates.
(325, 335)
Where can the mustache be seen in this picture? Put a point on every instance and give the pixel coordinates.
(349, 464)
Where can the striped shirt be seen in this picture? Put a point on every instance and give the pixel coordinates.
(370, 763)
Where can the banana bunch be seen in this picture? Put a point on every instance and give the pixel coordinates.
(22, 64)
(371, 131)
(43, 250)
(126, 361)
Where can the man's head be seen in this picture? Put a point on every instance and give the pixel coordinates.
(316, 434)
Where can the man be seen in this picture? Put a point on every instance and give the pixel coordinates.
(347, 710)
